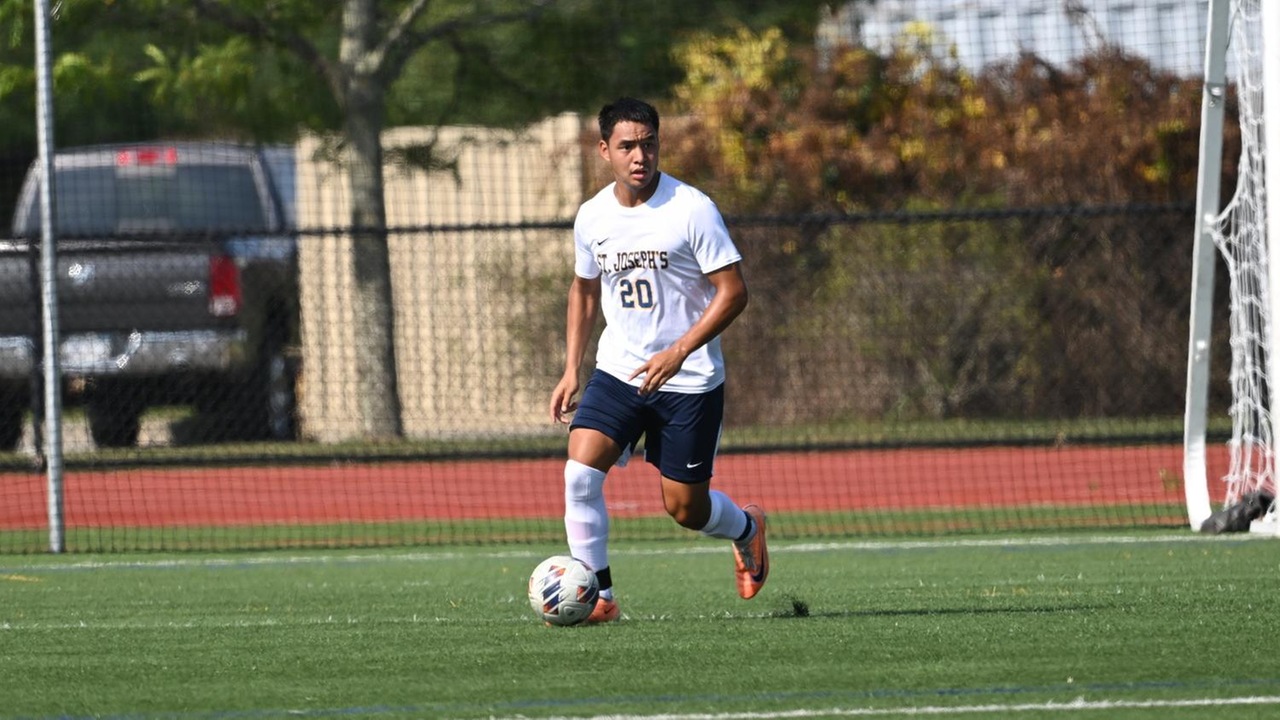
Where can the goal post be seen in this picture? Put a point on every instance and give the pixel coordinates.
(1208, 187)
(1270, 523)
(1236, 58)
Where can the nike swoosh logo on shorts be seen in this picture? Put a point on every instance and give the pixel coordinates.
(692, 465)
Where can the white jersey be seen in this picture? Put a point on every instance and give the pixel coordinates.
(652, 261)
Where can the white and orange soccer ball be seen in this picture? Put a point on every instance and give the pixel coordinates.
(563, 590)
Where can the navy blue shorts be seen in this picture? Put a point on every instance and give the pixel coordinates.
(681, 431)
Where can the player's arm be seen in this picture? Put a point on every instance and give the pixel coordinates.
(583, 307)
(729, 302)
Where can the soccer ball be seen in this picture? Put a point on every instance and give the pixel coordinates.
(563, 590)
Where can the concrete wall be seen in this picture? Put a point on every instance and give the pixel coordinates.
(455, 311)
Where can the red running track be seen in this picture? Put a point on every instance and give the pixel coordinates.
(853, 480)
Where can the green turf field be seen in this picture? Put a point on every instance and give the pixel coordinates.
(1151, 625)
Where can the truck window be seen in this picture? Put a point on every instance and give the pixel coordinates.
(194, 198)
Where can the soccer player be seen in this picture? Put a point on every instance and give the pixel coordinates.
(653, 254)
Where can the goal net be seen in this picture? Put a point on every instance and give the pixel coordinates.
(1239, 233)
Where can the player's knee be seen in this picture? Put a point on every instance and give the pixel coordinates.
(582, 483)
(685, 518)
(689, 515)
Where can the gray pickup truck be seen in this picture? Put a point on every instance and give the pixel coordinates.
(177, 285)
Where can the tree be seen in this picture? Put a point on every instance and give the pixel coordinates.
(262, 70)
(1041, 322)
(372, 52)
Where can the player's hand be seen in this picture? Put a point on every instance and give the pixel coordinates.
(659, 369)
(562, 398)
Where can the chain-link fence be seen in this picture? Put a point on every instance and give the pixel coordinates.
(256, 351)
(960, 371)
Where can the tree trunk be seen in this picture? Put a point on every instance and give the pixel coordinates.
(373, 311)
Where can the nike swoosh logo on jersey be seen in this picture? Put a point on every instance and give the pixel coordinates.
(601, 241)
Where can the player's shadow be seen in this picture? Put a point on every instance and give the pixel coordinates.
(800, 610)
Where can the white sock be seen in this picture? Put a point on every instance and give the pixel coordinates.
(586, 521)
(727, 521)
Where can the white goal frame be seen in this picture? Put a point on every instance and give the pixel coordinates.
(1195, 473)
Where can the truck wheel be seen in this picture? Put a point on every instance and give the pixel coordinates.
(11, 425)
(280, 416)
(115, 417)
(262, 405)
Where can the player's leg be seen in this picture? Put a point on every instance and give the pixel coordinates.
(586, 518)
(684, 449)
(604, 425)
(697, 507)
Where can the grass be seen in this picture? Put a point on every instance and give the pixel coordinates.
(1145, 625)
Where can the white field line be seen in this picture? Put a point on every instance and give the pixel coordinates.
(265, 622)
(275, 559)
(1077, 705)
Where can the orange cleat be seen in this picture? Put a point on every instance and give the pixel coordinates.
(752, 557)
(605, 611)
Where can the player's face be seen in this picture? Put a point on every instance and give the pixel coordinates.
(632, 154)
